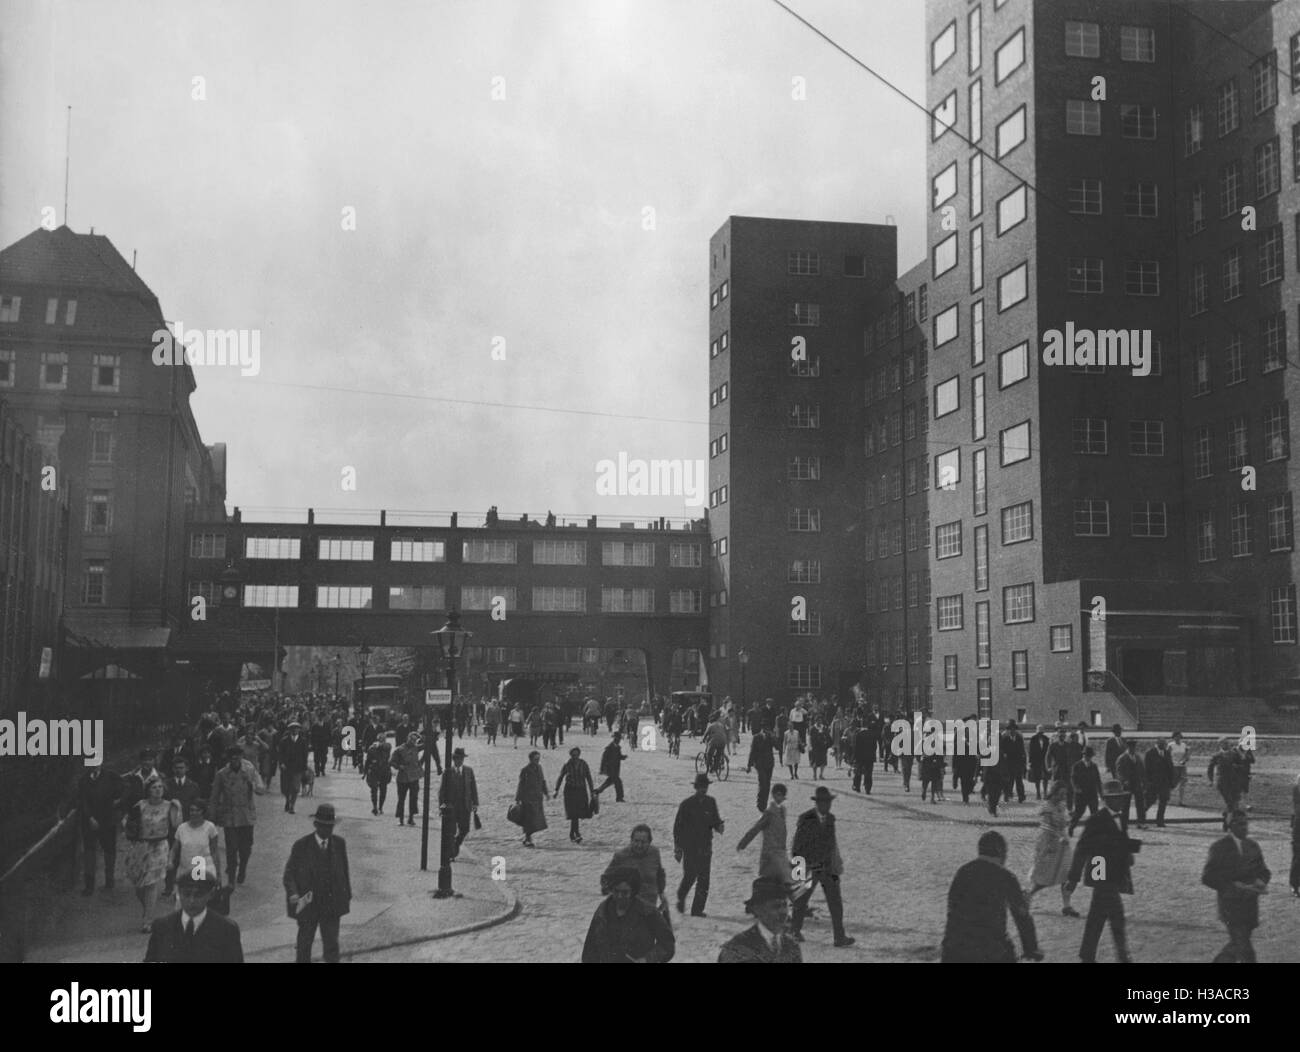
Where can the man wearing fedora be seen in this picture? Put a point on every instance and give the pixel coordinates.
(814, 842)
(292, 754)
(195, 934)
(317, 887)
(697, 819)
(766, 942)
(459, 795)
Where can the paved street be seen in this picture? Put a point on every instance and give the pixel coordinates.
(900, 855)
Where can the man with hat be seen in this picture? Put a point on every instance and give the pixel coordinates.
(625, 930)
(814, 843)
(195, 934)
(292, 754)
(1103, 858)
(766, 942)
(611, 766)
(458, 794)
(317, 886)
(697, 819)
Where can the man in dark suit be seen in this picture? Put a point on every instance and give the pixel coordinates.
(814, 842)
(697, 818)
(195, 934)
(611, 766)
(1086, 780)
(320, 743)
(1115, 746)
(978, 899)
(317, 886)
(97, 796)
(865, 743)
(1037, 759)
(1012, 749)
(1131, 774)
(765, 942)
(459, 795)
(1235, 869)
(1160, 777)
(1103, 858)
(761, 757)
(292, 754)
(133, 781)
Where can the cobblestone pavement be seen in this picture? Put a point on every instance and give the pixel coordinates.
(900, 855)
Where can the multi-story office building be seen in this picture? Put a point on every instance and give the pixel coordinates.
(77, 371)
(1096, 547)
(787, 312)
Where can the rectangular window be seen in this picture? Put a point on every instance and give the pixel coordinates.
(1018, 523)
(984, 698)
(1281, 533)
(680, 601)
(1015, 444)
(1062, 638)
(1084, 274)
(346, 549)
(946, 325)
(945, 116)
(1270, 258)
(1137, 44)
(485, 551)
(54, 370)
(1017, 603)
(1193, 130)
(1091, 518)
(1230, 190)
(944, 185)
(343, 597)
(983, 637)
(1206, 537)
(805, 571)
(1277, 432)
(949, 609)
(1082, 117)
(282, 595)
(1264, 81)
(484, 597)
(981, 538)
(101, 441)
(947, 397)
(1241, 535)
(1082, 39)
(805, 263)
(1196, 204)
(804, 520)
(1084, 196)
(1198, 295)
(1009, 57)
(811, 625)
(1147, 519)
(560, 553)
(1137, 122)
(1268, 168)
(683, 554)
(10, 307)
(977, 407)
(977, 333)
(51, 311)
(207, 546)
(979, 467)
(1089, 435)
(947, 470)
(805, 417)
(1272, 342)
(1013, 287)
(975, 105)
(1141, 200)
(943, 47)
(809, 314)
(947, 540)
(1238, 443)
(1011, 133)
(950, 672)
(1202, 452)
(1282, 613)
(273, 548)
(976, 259)
(1295, 63)
(945, 255)
(94, 588)
(1146, 438)
(413, 551)
(973, 40)
(105, 372)
(1012, 209)
(804, 677)
(627, 553)
(1020, 670)
(1231, 274)
(976, 184)
(421, 597)
(1229, 114)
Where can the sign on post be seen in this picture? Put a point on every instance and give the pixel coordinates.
(437, 697)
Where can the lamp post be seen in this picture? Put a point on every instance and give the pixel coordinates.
(364, 655)
(338, 660)
(743, 654)
(452, 640)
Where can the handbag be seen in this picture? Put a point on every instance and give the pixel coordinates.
(478, 822)
(515, 814)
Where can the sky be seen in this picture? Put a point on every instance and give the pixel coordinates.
(514, 223)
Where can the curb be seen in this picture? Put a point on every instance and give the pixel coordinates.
(513, 907)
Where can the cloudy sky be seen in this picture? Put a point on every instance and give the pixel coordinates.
(519, 218)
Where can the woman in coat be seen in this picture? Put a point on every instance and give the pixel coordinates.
(819, 744)
(790, 751)
(1052, 852)
(579, 791)
(773, 856)
(530, 794)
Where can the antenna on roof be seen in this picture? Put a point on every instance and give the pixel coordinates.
(133, 259)
(67, 160)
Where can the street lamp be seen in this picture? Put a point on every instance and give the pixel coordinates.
(364, 655)
(338, 660)
(452, 640)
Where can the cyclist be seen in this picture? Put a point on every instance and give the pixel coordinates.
(715, 738)
(672, 722)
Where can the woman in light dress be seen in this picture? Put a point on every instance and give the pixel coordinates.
(1052, 852)
(773, 857)
(151, 822)
(197, 842)
(790, 751)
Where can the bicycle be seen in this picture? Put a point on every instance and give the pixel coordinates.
(718, 768)
(674, 745)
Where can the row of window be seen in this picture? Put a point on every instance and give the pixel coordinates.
(11, 308)
(901, 370)
(886, 593)
(889, 537)
(809, 264)
(1148, 518)
(887, 649)
(1227, 103)
(1269, 269)
(906, 310)
(914, 474)
(1277, 441)
(105, 370)
(896, 428)
(1272, 341)
(1019, 666)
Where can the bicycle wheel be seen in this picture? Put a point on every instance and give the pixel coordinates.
(724, 768)
(701, 764)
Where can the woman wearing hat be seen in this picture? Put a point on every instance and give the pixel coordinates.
(530, 794)
(149, 826)
(579, 791)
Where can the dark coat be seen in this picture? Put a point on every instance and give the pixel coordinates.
(697, 818)
(1086, 779)
(750, 947)
(216, 941)
(978, 900)
(292, 755)
(643, 932)
(1160, 769)
(760, 752)
(1012, 748)
(1103, 839)
(575, 777)
(459, 792)
(611, 760)
(531, 792)
(1038, 746)
(1114, 750)
(814, 842)
(98, 798)
(185, 794)
(1226, 866)
(326, 877)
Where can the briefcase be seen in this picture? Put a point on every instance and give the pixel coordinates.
(515, 814)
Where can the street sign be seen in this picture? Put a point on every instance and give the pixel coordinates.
(437, 697)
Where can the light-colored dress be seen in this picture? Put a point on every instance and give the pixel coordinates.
(774, 857)
(196, 843)
(1052, 852)
(791, 745)
(146, 858)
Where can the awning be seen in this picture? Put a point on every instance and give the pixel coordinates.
(102, 634)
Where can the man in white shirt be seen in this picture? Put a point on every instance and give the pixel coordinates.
(195, 934)
(1179, 751)
(798, 722)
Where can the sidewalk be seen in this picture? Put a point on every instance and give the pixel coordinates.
(392, 902)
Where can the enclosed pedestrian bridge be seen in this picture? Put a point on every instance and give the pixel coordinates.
(388, 578)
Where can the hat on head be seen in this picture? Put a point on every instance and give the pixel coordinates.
(458, 753)
(767, 889)
(574, 751)
(293, 724)
(186, 878)
(822, 794)
(701, 781)
(324, 814)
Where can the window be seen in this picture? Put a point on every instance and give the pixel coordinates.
(10, 307)
(804, 468)
(1018, 523)
(101, 441)
(491, 551)
(1137, 44)
(804, 677)
(983, 637)
(339, 597)
(51, 311)
(1147, 519)
(1238, 444)
(1229, 115)
(947, 470)
(70, 313)
(1141, 201)
(922, 303)
(556, 553)
(1009, 57)
(1268, 168)
(1082, 117)
(271, 595)
(1085, 197)
(1295, 63)
(977, 333)
(949, 612)
(1020, 670)
(1013, 287)
(1264, 80)
(803, 314)
(1193, 130)
(810, 368)
(1196, 215)
(979, 466)
(1235, 361)
(1281, 535)
(207, 546)
(805, 571)
(947, 397)
(348, 549)
(1206, 547)
(1281, 605)
(944, 185)
(1011, 133)
(1062, 638)
(1084, 274)
(975, 106)
(95, 583)
(1277, 432)
(54, 370)
(943, 47)
(1295, 150)
(1270, 256)
(1198, 296)
(722, 546)
(684, 554)
(805, 417)
(104, 372)
(1231, 274)
(1012, 209)
(950, 672)
(627, 600)
(1230, 190)
(680, 601)
(981, 537)
(1272, 342)
(804, 520)
(99, 511)
(977, 407)
(713, 299)
(725, 288)
(976, 184)
(1083, 39)
(945, 116)
(1202, 451)
(947, 540)
(984, 698)
(945, 326)
(1017, 603)
(272, 548)
(423, 597)
(945, 255)
(855, 266)
(807, 263)
(1015, 444)
(1146, 438)
(973, 40)
(1089, 435)
(1137, 122)
(627, 553)
(484, 597)
(977, 259)
(1091, 518)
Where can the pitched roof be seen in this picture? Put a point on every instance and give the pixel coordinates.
(63, 257)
